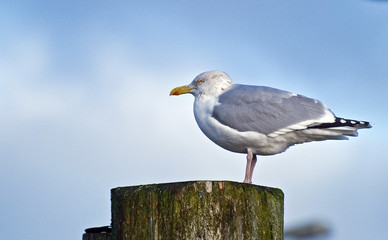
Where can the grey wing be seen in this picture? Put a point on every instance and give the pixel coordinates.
(264, 109)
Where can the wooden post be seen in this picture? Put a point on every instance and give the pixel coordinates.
(197, 210)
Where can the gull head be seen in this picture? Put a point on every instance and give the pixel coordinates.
(211, 83)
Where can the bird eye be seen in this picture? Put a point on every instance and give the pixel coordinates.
(199, 82)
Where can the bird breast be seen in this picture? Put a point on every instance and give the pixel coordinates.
(223, 135)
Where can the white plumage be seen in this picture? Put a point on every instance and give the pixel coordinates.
(260, 120)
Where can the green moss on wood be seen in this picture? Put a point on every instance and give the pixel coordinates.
(197, 210)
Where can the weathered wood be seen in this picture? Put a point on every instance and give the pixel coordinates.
(197, 210)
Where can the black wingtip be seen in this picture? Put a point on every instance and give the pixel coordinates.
(342, 122)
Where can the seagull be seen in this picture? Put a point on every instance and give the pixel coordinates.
(259, 120)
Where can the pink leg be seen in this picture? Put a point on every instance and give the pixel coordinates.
(251, 162)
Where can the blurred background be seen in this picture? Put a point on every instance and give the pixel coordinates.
(85, 106)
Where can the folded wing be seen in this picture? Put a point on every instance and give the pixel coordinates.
(268, 111)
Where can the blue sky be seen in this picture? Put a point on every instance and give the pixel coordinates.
(84, 98)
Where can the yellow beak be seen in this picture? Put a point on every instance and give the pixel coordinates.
(180, 90)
